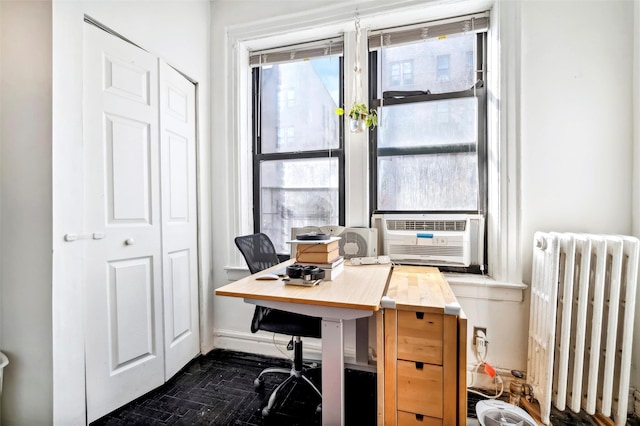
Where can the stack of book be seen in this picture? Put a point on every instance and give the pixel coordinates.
(324, 255)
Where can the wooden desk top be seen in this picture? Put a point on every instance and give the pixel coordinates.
(421, 287)
(357, 287)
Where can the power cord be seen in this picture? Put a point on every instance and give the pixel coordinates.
(481, 351)
(286, 355)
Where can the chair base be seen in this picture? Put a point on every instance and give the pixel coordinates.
(296, 373)
(259, 381)
(295, 376)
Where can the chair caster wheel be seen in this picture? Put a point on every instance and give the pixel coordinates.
(265, 412)
(319, 408)
(258, 383)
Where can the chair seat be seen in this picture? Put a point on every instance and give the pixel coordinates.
(290, 323)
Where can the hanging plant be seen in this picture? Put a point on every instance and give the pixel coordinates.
(362, 116)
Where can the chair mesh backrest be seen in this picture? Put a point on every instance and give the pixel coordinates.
(258, 251)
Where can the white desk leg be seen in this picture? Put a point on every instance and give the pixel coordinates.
(332, 372)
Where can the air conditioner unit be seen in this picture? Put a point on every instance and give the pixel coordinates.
(432, 239)
(354, 242)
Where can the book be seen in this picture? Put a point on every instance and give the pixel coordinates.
(315, 258)
(317, 248)
(330, 240)
(328, 265)
(330, 274)
(300, 281)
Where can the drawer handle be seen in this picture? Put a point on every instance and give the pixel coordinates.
(419, 417)
(419, 315)
(419, 365)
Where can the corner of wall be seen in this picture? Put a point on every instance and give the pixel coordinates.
(25, 220)
(635, 196)
(1, 180)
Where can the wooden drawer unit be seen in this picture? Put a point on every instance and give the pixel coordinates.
(420, 337)
(422, 340)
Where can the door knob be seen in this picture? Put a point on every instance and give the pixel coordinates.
(129, 241)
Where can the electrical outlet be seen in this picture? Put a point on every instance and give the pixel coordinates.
(476, 333)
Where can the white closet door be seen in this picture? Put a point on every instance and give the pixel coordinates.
(179, 219)
(123, 287)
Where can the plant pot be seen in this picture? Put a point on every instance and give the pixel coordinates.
(357, 126)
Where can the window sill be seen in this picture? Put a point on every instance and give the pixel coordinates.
(234, 273)
(483, 287)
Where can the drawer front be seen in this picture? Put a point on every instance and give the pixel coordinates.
(420, 337)
(412, 419)
(420, 388)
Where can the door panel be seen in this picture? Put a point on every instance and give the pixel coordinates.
(130, 310)
(179, 218)
(180, 296)
(126, 79)
(123, 292)
(128, 170)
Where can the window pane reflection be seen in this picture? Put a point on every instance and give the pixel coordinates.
(296, 193)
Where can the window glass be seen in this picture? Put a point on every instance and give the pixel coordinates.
(428, 182)
(297, 193)
(298, 159)
(429, 152)
(299, 96)
(450, 121)
(436, 65)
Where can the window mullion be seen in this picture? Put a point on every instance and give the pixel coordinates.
(428, 150)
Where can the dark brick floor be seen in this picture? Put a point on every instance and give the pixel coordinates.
(217, 389)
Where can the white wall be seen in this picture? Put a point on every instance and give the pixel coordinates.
(41, 186)
(566, 82)
(576, 117)
(25, 209)
(577, 120)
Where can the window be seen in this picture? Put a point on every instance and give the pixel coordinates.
(286, 98)
(443, 67)
(429, 153)
(402, 73)
(298, 155)
(286, 139)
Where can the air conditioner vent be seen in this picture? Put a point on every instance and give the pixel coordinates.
(426, 225)
(427, 250)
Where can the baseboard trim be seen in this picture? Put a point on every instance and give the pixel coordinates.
(262, 343)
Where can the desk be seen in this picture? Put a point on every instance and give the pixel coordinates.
(354, 294)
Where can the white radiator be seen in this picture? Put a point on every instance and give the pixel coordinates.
(583, 292)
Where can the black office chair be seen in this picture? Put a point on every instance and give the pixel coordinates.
(260, 254)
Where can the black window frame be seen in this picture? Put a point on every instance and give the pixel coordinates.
(258, 156)
(479, 90)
